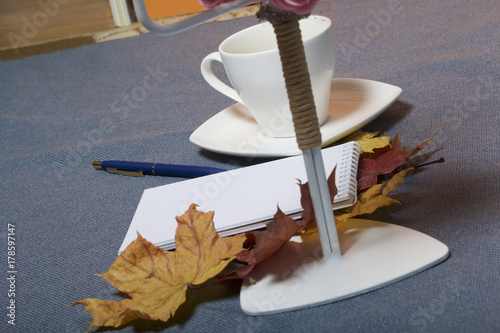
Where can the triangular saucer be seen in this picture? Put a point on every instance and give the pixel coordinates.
(353, 104)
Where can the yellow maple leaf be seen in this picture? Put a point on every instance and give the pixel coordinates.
(395, 181)
(373, 198)
(157, 280)
(368, 140)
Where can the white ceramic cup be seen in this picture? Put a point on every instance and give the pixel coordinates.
(252, 63)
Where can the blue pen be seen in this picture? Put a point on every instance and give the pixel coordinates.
(139, 169)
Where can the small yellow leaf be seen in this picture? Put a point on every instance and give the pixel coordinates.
(395, 181)
(368, 141)
(372, 198)
(341, 217)
(157, 280)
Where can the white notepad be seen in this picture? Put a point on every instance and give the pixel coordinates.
(243, 199)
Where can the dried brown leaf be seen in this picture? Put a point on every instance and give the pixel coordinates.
(157, 280)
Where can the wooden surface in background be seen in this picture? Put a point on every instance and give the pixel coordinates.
(30, 27)
(26, 22)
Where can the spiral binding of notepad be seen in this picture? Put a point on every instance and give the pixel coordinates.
(346, 177)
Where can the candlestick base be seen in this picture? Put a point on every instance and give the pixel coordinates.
(374, 255)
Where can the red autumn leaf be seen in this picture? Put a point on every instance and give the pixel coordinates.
(267, 242)
(385, 162)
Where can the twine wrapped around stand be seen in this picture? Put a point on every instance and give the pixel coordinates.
(297, 78)
(305, 120)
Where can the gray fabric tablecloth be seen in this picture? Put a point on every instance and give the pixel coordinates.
(141, 98)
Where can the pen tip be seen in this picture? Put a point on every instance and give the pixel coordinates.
(97, 165)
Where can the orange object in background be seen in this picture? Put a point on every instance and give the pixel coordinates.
(165, 8)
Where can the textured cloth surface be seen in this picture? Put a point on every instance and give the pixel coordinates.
(140, 98)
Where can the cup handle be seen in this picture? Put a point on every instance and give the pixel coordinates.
(209, 76)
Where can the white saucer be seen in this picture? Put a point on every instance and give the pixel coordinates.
(353, 104)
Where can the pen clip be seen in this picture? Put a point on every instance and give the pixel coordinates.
(125, 173)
